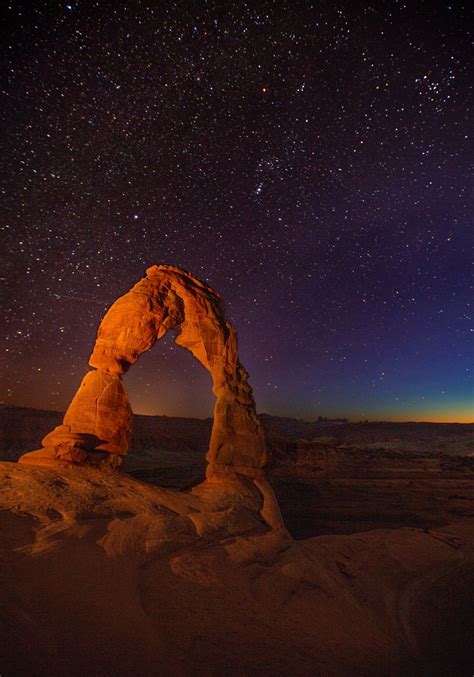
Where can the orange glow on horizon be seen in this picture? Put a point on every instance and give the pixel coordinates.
(461, 418)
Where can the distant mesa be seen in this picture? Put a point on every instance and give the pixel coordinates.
(290, 419)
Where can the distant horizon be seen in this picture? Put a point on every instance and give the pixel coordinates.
(464, 420)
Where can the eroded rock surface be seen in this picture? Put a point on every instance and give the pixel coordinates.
(97, 425)
(99, 419)
(171, 298)
(101, 574)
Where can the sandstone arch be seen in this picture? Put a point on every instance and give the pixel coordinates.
(97, 424)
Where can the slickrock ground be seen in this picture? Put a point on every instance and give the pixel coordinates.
(102, 574)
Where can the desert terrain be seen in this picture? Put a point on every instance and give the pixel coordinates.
(150, 572)
(329, 477)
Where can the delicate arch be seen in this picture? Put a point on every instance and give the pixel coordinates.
(98, 420)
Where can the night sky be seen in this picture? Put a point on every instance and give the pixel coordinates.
(309, 160)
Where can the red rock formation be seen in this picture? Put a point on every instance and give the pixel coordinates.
(103, 575)
(98, 420)
(171, 298)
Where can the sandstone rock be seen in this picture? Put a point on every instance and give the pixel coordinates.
(101, 408)
(101, 574)
(166, 298)
(99, 419)
(59, 455)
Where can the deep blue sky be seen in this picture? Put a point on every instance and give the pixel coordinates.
(310, 160)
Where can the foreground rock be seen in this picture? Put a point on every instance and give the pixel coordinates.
(101, 574)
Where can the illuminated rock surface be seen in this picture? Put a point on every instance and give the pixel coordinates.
(98, 419)
(102, 574)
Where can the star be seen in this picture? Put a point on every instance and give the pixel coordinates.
(309, 161)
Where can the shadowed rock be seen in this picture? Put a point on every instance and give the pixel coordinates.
(103, 575)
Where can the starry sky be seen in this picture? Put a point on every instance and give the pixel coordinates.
(309, 160)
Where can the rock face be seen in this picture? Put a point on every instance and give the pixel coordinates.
(104, 575)
(99, 419)
(97, 424)
(169, 298)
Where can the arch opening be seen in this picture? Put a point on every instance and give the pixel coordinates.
(168, 381)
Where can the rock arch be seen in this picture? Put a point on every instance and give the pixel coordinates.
(97, 425)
